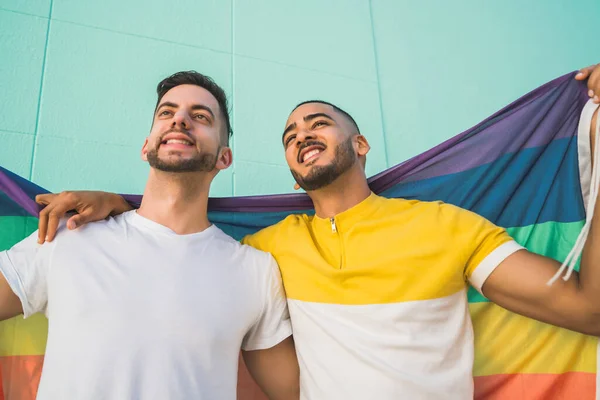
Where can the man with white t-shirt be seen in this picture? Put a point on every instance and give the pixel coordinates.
(156, 303)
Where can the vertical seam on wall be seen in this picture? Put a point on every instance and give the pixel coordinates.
(39, 105)
(233, 186)
(385, 144)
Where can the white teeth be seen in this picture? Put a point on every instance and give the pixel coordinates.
(180, 141)
(310, 154)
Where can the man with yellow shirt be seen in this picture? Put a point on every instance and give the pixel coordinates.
(377, 287)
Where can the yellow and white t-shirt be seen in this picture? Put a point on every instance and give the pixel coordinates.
(377, 296)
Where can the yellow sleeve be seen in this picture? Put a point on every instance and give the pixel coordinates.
(262, 240)
(482, 244)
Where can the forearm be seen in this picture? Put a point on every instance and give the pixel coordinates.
(589, 275)
(276, 370)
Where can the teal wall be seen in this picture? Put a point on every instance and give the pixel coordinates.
(77, 77)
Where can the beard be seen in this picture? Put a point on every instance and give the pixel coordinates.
(201, 162)
(321, 176)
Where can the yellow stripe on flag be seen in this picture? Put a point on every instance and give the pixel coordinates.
(507, 343)
(23, 337)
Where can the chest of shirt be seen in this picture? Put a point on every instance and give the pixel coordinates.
(166, 290)
(369, 263)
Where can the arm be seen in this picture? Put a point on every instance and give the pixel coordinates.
(268, 348)
(275, 370)
(24, 278)
(89, 205)
(519, 284)
(10, 305)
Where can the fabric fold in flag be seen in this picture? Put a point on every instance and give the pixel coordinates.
(526, 168)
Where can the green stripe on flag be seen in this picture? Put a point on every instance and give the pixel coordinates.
(15, 229)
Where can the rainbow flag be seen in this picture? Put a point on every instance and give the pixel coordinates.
(524, 168)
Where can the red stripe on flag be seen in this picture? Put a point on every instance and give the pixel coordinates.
(567, 386)
(21, 376)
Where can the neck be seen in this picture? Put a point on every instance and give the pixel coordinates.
(178, 201)
(348, 190)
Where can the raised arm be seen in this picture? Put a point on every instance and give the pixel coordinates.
(275, 370)
(519, 283)
(89, 205)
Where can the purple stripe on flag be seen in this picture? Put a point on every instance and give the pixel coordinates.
(9, 186)
(533, 114)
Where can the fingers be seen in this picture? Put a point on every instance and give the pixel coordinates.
(48, 223)
(42, 224)
(592, 74)
(73, 222)
(80, 219)
(585, 72)
(45, 199)
(594, 85)
(50, 216)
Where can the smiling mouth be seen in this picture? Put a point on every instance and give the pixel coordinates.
(310, 153)
(177, 141)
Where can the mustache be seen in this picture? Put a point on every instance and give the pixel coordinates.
(309, 143)
(175, 130)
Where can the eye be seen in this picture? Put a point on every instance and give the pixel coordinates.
(318, 124)
(201, 117)
(289, 140)
(164, 112)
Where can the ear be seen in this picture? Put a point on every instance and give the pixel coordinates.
(363, 146)
(225, 159)
(145, 150)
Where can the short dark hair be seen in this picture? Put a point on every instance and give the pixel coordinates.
(336, 108)
(205, 82)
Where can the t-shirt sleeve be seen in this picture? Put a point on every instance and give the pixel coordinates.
(273, 325)
(485, 246)
(262, 240)
(25, 267)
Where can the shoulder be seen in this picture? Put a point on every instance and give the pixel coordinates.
(112, 223)
(269, 238)
(446, 213)
(243, 252)
(418, 208)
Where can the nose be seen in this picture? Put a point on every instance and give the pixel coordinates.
(180, 120)
(303, 135)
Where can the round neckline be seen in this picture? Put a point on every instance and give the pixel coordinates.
(139, 220)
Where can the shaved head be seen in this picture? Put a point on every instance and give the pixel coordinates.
(347, 116)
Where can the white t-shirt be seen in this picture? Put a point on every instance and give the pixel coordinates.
(138, 312)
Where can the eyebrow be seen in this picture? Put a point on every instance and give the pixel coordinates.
(194, 107)
(306, 118)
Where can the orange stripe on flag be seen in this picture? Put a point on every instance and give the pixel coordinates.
(1, 388)
(21, 376)
(567, 386)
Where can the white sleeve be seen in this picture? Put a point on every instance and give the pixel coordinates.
(25, 267)
(273, 325)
